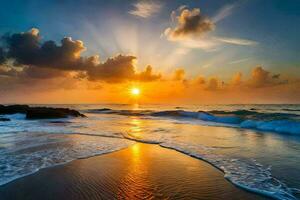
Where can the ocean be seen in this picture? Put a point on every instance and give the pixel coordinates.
(256, 146)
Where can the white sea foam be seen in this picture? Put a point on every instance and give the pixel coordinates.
(32, 152)
(247, 174)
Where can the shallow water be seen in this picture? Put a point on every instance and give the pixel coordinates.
(260, 161)
(142, 171)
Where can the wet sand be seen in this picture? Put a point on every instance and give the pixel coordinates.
(142, 171)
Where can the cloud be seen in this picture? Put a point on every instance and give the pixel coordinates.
(213, 84)
(191, 43)
(145, 9)
(190, 23)
(259, 78)
(239, 61)
(200, 80)
(26, 48)
(224, 12)
(148, 75)
(31, 65)
(115, 69)
(181, 51)
(192, 29)
(120, 69)
(236, 41)
(179, 75)
(36, 59)
(237, 79)
(29, 72)
(41, 73)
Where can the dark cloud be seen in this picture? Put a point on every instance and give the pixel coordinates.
(48, 60)
(27, 49)
(42, 73)
(29, 72)
(116, 69)
(119, 69)
(148, 75)
(191, 22)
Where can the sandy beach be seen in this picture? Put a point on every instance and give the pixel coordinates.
(142, 171)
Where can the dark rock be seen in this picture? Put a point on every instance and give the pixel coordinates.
(12, 109)
(103, 109)
(40, 112)
(3, 119)
(51, 113)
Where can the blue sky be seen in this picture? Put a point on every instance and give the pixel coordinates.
(107, 28)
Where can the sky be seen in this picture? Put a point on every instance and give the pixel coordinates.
(197, 51)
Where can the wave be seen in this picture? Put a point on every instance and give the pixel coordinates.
(246, 174)
(40, 151)
(35, 152)
(289, 109)
(250, 176)
(287, 123)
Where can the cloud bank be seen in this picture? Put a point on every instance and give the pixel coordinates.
(32, 57)
(29, 65)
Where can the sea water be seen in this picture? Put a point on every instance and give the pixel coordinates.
(256, 146)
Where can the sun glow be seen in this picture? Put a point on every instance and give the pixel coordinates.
(135, 91)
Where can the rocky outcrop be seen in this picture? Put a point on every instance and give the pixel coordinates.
(40, 112)
(12, 109)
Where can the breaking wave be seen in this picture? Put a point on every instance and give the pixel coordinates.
(287, 123)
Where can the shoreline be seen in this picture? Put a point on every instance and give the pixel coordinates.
(133, 172)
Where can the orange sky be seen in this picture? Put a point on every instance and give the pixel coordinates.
(260, 86)
(37, 70)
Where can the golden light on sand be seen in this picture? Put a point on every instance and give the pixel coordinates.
(135, 91)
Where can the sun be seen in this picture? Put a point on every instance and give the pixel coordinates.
(135, 91)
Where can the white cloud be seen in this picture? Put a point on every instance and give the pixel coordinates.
(239, 61)
(145, 9)
(236, 41)
(182, 51)
(224, 12)
(208, 43)
(198, 38)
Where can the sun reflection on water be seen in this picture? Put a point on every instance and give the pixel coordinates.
(135, 129)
